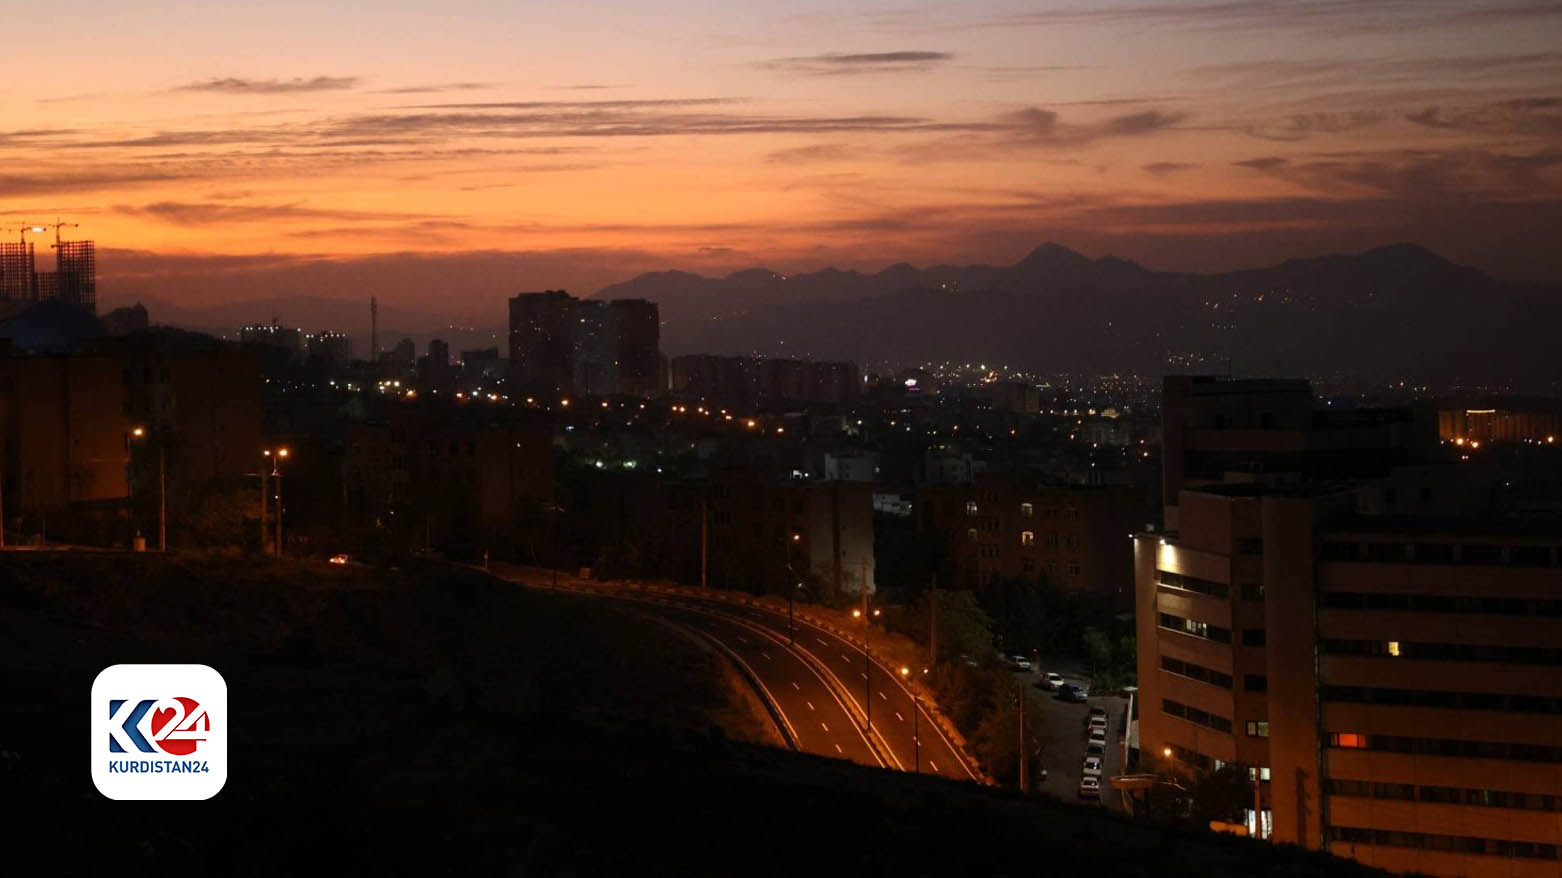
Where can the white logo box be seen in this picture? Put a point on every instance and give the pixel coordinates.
(138, 775)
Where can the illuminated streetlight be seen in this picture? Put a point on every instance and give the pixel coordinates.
(162, 490)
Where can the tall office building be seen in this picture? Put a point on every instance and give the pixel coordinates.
(540, 342)
(74, 279)
(639, 356)
(560, 344)
(1378, 648)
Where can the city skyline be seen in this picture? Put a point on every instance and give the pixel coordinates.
(586, 146)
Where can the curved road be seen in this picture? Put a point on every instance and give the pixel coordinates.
(817, 719)
(890, 704)
(808, 678)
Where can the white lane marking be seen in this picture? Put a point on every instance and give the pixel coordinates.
(845, 659)
(766, 656)
(822, 641)
(883, 696)
(839, 750)
(741, 638)
(934, 764)
(899, 717)
(795, 686)
(810, 704)
(825, 727)
(862, 675)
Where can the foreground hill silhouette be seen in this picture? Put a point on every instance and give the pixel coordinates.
(438, 721)
(1393, 313)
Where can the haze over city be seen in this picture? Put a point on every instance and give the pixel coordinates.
(227, 149)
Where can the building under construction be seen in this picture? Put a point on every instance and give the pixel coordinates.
(74, 279)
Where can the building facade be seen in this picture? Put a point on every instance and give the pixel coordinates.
(563, 345)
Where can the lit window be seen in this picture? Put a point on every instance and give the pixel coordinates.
(970, 507)
(1393, 647)
(1027, 538)
(971, 533)
(1348, 740)
(1027, 510)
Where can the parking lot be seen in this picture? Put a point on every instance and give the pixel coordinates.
(1064, 734)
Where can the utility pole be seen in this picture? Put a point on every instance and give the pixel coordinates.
(265, 500)
(704, 543)
(278, 477)
(1024, 775)
(2, 496)
(932, 607)
(162, 494)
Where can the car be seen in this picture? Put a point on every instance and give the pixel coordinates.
(1092, 766)
(1097, 710)
(1073, 692)
(1098, 736)
(341, 559)
(1097, 722)
(1019, 662)
(1051, 680)
(1090, 787)
(1095, 748)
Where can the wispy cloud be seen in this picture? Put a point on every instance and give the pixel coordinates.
(1163, 168)
(236, 85)
(1517, 116)
(819, 152)
(834, 64)
(207, 213)
(434, 89)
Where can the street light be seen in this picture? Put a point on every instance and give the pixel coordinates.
(916, 731)
(162, 490)
(276, 456)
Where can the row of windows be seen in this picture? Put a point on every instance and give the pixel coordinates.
(1195, 672)
(1028, 538)
(1051, 567)
(1192, 583)
(1453, 700)
(1438, 553)
(1446, 795)
(1456, 844)
(1431, 603)
(1028, 510)
(1258, 728)
(1456, 652)
(1446, 747)
(1195, 628)
(1194, 715)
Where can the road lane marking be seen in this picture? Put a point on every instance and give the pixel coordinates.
(810, 704)
(845, 659)
(822, 641)
(899, 717)
(825, 727)
(741, 637)
(934, 764)
(882, 695)
(795, 686)
(864, 676)
(766, 656)
(839, 750)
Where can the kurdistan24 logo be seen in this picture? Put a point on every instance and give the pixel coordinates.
(159, 732)
(173, 726)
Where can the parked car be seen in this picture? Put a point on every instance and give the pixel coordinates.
(1019, 662)
(1092, 766)
(1097, 710)
(1051, 680)
(1098, 736)
(1097, 722)
(1090, 788)
(1095, 748)
(1073, 692)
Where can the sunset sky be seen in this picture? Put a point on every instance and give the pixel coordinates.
(218, 151)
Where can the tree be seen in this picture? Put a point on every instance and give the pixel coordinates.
(996, 740)
(964, 630)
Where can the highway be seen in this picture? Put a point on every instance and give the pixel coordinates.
(890, 704)
(817, 719)
(818, 681)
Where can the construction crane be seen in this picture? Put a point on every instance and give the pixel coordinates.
(57, 225)
(24, 228)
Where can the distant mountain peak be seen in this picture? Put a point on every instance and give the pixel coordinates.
(1053, 255)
